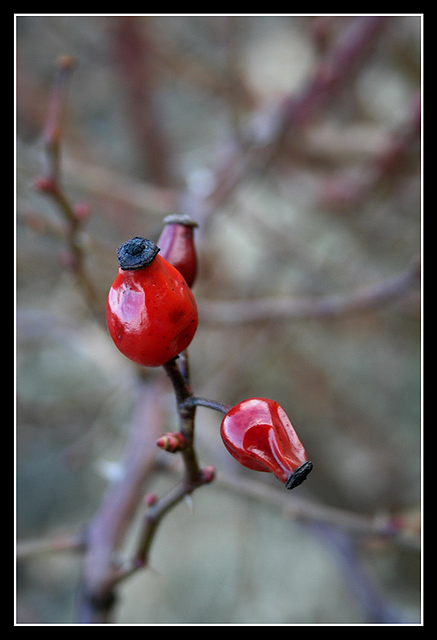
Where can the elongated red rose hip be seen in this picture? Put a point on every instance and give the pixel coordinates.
(258, 433)
(176, 244)
(151, 312)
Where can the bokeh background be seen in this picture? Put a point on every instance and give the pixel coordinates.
(156, 106)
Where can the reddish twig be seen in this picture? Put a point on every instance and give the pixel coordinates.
(57, 543)
(51, 185)
(339, 64)
(101, 573)
(347, 192)
(396, 529)
(240, 156)
(53, 127)
(134, 53)
(106, 530)
(193, 477)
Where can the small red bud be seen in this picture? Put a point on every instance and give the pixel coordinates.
(171, 442)
(150, 499)
(208, 474)
(81, 210)
(45, 185)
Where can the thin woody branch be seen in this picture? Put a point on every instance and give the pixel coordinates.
(193, 478)
(106, 530)
(299, 308)
(53, 127)
(296, 111)
(395, 529)
(50, 184)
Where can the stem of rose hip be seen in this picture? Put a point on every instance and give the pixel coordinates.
(198, 401)
(159, 509)
(194, 476)
(186, 412)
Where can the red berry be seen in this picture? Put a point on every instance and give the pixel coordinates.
(258, 433)
(150, 311)
(176, 244)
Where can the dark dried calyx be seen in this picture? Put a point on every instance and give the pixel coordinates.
(301, 473)
(136, 253)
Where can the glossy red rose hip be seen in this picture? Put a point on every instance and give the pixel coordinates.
(258, 433)
(176, 244)
(151, 313)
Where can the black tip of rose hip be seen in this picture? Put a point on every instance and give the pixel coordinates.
(301, 473)
(136, 253)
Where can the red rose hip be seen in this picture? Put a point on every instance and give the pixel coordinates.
(258, 433)
(176, 244)
(151, 312)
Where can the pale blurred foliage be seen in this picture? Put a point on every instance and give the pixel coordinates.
(351, 386)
